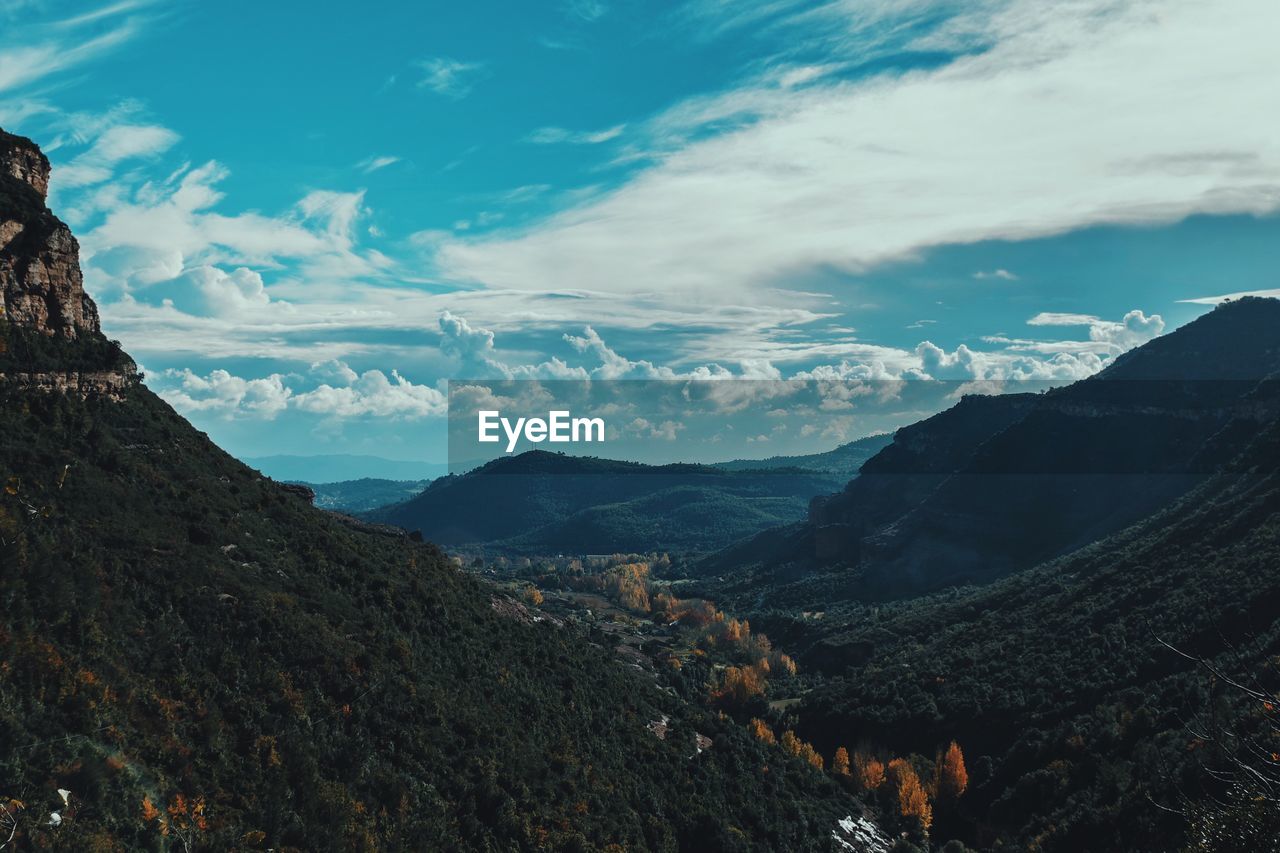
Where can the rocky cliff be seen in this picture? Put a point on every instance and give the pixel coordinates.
(41, 286)
(39, 258)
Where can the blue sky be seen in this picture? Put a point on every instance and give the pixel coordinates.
(303, 218)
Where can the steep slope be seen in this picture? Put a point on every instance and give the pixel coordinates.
(201, 660)
(1082, 728)
(997, 484)
(545, 503)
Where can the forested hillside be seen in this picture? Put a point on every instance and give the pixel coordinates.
(548, 503)
(192, 657)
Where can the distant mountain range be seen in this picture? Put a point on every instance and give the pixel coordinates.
(1082, 587)
(1000, 483)
(548, 503)
(843, 461)
(341, 467)
(355, 496)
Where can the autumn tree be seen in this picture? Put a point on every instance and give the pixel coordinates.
(779, 662)
(953, 779)
(739, 684)
(809, 754)
(761, 730)
(840, 763)
(790, 742)
(913, 800)
(629, 584)
(868, 770)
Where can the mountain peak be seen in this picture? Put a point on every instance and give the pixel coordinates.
(22, 159)
(40, 279)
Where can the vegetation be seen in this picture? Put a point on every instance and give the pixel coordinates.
(1080, 689)
(199, 658)
(540, 503)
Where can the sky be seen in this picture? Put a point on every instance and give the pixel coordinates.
(303, 220)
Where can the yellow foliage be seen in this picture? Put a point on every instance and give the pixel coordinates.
(913, 800)
(869, 771)
(761, 730)
(840, 763)
(953, 778)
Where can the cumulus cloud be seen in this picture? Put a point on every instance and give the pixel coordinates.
(1133, 329)
(374, 394)
(211, 292)
(165, 243)
(224, 394)
(346, 394)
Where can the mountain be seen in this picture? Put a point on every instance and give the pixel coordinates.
(1077, 688)
(342, 467)
(997, 484)
(356, 496)
(843, 461)
(548, 503)
(196, 658)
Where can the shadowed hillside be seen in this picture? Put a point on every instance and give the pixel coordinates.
(998, 484)
(547, 503)
(194, 658)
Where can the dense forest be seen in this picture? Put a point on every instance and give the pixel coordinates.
(546, 503)
(205, 661)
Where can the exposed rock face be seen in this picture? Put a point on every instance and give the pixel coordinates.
(43, 306)
(22, 159)
(40, 278)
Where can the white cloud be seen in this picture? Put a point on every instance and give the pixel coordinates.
(1000, 273)
(553, 135)
(374, 394)
(1133, 329)
(222, 393)
(452, 78)
(40, 54)
(586, 10)
(1069, 118)
(374, 163)
(369, 394)
(114, 146)
(1226, 297)
(211, 292)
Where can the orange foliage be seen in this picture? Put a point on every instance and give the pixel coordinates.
(913, 800)
(840, 763)
(761, 730)
(629, 585)
(800, 749)
(870, 771)
(149, 810)
(740, 683)
(953, 778)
